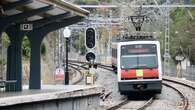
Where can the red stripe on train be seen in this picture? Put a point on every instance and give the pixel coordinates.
(128, 73)
(147, 73)
(150, 73)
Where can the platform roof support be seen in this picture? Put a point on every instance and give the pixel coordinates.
(14, 72)
(36, 37)
(44, 21)
(14, 58)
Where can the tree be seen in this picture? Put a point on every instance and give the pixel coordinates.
(26, 48)
(182, 33)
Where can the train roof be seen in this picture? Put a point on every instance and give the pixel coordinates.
(135, 38)
(137, 42)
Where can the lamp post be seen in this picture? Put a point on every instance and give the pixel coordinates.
(67, 34)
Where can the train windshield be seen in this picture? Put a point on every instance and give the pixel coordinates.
(139, 56)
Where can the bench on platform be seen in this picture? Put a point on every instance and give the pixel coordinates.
(8, 83)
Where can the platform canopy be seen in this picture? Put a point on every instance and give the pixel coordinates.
(57, 7)
(34, 19)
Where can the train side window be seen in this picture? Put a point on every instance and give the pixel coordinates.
(114, 52)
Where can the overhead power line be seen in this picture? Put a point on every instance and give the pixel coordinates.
(137, 6)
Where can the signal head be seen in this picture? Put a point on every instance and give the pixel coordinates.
(90, 56)
(90, 38)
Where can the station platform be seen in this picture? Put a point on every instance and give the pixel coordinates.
(53, 97)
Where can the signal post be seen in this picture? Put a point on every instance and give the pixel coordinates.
(90, 42)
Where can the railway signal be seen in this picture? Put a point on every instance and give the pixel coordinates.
(90, 38)
(90, 57)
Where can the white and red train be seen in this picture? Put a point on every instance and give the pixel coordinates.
(138, 65)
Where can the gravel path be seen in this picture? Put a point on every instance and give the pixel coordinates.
(109, 81)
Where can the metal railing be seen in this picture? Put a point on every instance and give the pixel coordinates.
(7, 85)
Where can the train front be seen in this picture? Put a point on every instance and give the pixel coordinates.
(139, 67)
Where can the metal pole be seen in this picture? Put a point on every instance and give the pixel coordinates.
(1, 65)
(66, 68)
(167, 41)
(110, 34)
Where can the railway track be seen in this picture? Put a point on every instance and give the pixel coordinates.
(144, 104)
(127, 104)
(185, 89)
(76, 65)
(185, 100)
(99, 65)
(77, 70)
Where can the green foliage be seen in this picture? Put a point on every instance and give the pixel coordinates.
(80, 44)
(161, 40)
(106, 1)
(177, 14)
(5, 40)
(43, 49)
(182, 33)
(5, 44)
(193, 1)
(26, 47)
(2, 61)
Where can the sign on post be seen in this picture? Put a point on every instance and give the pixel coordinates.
(26, 27)
(59, 74)
(179, 58)
(89, 80)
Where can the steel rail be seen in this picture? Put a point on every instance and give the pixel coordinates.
(85, 68)
(107, 67)
(185, 101)
(81, 74)
(79, 65)
(148, 103)
(71, 64)
(125, 101)
(190, 86)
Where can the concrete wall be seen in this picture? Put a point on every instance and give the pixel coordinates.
(78, 103)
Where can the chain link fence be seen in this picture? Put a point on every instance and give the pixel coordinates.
(188, 73)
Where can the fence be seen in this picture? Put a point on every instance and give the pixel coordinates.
(188, 74)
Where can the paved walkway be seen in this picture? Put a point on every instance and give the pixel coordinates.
(48, 92)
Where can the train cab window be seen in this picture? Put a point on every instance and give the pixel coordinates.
(139, 56)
